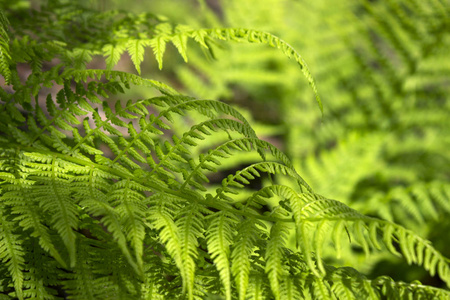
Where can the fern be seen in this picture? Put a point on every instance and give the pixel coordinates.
(106, 197)
(384, 79)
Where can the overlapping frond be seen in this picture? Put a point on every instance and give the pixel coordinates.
(144, 30)
(317, 213)
(220, 235)
(242, 251)
(12, 254)
(103, 197)
(152, 186)
(274, 257)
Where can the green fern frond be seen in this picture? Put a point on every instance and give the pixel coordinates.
(93, 188)
(158, 42)
(318, 210)
(118, 197)
(289, 289)
(191, 227)
(123, 77)
(347, 283)
(127, 199)
(29, 218)
(81, 57)
(421, 201)
(253, 36)
(219, 237)
(180, 40)
(51, 190)
(257, 288)
(167, 197)
(82, 277)
(232, 183)
(274, 257)
(41, 276)
(164, 33)
(12, 253)
(112, 54)
(29, 214)
(136, 50)
(242, 250)
(414, 290)
(162, 218)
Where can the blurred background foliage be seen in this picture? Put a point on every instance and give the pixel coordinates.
(382, 68)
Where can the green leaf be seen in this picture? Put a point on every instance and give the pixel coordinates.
(113, 54)
(136, 50)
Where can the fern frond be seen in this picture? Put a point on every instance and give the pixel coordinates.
(112, 53)
(347, 283)
(219, 236)
(318, 210)
(93, 189)
(12, 253)
(190, 223)
(29, 218)
(123, 77)
(289, 289)
(254, 36)
(415, 290)
(232, 183)
(274, 257)
(162, 218)
(136, 50)
(41, 274)
(128, 201)
(421, 201)
(158, 42)
(163, 32)
(90, 277)
(241, 253)
(17, 195)
(52, 191)
(166, 197)
(257, 288)
(180, 40)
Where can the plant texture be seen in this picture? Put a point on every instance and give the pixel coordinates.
(103, 196)
(382, 68)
